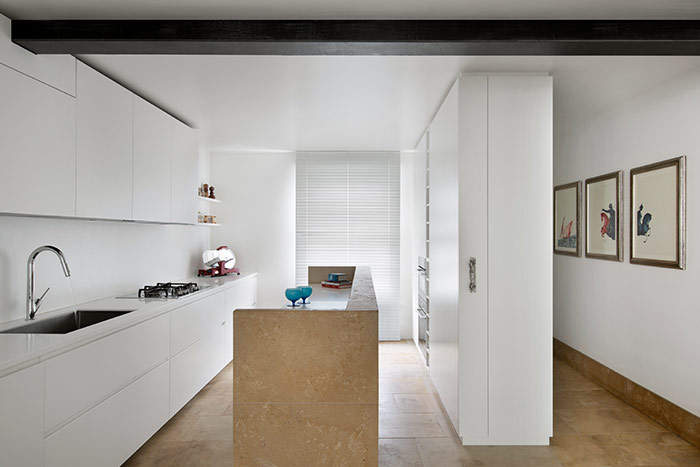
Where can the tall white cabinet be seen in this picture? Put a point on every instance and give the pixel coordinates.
(105, 147)
(152, 154)
(490, 196)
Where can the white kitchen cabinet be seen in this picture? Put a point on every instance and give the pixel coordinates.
(57, 71)
(444, 237)
(194, 321)
(105, 147)
(21, 422)
(185, 166)
(79, 379)
(490, 195)
(37, 137)
(194, 367)
(111, 432)
(152, 162)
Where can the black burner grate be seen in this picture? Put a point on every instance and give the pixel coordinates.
(168, 290)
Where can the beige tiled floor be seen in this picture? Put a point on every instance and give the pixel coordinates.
(591, 427)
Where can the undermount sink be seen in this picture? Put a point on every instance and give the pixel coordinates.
(67, 322)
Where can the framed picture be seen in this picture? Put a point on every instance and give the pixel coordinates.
(657, 214)
(567, 219)
(603, 215)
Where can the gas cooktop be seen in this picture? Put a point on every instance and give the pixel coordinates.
(166, 290)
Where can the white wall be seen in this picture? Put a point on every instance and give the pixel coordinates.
(105, 258)
(407, 252)
(641, 321)
(258, 217)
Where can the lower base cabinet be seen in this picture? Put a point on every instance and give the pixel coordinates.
(111, 432)
(193, 368)
(22, 418)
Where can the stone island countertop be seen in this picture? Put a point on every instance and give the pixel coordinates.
(305, 379)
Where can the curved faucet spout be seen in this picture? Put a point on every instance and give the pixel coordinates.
(32, 304)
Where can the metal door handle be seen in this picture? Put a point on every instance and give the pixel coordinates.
(472, 275)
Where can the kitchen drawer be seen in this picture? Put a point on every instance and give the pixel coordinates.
(83, 377)
(21, 422)
(194, 321)
(110, 433)
(193, 368)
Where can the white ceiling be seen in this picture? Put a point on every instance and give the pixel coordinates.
(356, 9)
(359, 103)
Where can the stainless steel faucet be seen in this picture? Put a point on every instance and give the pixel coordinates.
(33, 305)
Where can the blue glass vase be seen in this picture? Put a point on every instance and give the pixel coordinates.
(293, 294)
(305, 293)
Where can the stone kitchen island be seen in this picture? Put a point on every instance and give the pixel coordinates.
(305, 379)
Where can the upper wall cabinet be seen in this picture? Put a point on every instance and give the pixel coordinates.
(37, 141)
(152, 155)
(185, 158)
(57, 71)
(105, 147)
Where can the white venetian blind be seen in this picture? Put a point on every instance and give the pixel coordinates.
(348, 214)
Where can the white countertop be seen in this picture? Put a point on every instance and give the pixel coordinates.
(18, 351)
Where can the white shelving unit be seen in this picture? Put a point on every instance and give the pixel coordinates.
(204, 208)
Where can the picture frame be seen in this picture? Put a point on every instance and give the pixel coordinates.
(657, 214)
(567, 219)
(604, 226)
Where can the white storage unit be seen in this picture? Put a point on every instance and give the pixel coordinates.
(184, 171)
(37, 140)
(57, 71)
(490, 195)
(105, 147)
(443, 235)
(152, 162)
(22, 421)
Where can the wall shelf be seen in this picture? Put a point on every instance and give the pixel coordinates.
(208, 200)
(208, 224)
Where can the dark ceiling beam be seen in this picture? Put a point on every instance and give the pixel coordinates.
(360, 37)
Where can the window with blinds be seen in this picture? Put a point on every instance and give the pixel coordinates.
(348, 214)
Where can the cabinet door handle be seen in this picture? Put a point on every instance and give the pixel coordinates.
(472, 275)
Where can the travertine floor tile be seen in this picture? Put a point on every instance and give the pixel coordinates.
(222, 455)
(209, 404)
(399, 452)
(417, 403)
(411, 425)
(406, 385)
(175, 428)
(173, 454)
(513, 456)
(597, 421)
(563, 428)
(587, 399)
(444, 452)
(414, 370)
(387, 404)
(210, 428)
(399, 358)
